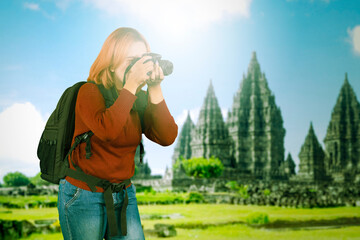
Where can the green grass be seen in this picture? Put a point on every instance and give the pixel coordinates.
(219, 218)
(28, 214)
(232, 232)
(225, 213)
(54, 236)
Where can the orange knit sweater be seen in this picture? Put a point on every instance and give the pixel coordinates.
(117, 133)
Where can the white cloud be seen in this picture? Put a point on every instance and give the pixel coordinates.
(355, 38)
(175, 16)
(21, 126)
(36, 7)
(31, 6)
(62, 4)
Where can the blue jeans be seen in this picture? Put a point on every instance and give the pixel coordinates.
(82, 214)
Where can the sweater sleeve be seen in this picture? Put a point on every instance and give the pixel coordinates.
(105, 123)
(160, 126)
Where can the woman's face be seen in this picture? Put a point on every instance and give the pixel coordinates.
(137, 49)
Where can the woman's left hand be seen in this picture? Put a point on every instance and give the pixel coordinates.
(156, 76)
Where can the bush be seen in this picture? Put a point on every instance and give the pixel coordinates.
(201, 167)
(140, 188)
(195, 197)
(150, 191)
(242, 190)
(16, 179)
(28, 201)
(267, 192)
(161, 198)
(257, 218)
(232, 185)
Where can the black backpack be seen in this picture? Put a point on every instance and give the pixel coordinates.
(55, 141)
(55, 147)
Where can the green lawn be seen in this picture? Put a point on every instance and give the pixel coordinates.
(225, 213)
(220, 218)
(232, 232)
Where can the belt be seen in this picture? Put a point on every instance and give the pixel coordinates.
(110, 209)
(109, 188)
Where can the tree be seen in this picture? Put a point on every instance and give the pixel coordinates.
(201, 167)
(38, 181)
(16, 179)
(142, 170)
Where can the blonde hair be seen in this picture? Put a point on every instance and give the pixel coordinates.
(112, 54)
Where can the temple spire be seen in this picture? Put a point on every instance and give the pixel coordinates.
(210, 136)
(289, 166)
(346, 81)
(343, 134)
(254, 66)
(256, 126)
(311, 156)
(253, 56)
(311, 130)
(183, 147)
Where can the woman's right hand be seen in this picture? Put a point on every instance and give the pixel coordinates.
(138, 74)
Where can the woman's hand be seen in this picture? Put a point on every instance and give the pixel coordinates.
(157, 75)
(155, 93)
(138, 74)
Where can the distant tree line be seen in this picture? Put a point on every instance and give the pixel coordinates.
(17, 179)
(194, 167)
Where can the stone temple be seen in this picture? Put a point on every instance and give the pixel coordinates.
(256, 127)
(311, 156)
(250, 143)
(342, 139)
(210, 136)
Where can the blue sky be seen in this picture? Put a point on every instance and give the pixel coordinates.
(303, 46)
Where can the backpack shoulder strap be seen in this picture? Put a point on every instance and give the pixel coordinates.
(140, 106)
(110, 95)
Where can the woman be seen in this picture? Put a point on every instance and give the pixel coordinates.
(117, 133)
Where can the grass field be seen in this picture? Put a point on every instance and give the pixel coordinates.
(222, 221)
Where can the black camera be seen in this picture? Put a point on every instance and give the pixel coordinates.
(165, 65)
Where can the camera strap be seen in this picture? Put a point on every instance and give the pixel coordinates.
(128, 69)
